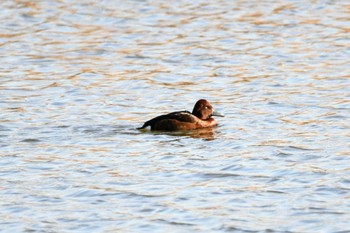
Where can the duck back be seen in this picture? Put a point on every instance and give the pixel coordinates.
(172, 121)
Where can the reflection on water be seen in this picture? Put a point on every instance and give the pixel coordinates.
(77, 79)
(205, 133)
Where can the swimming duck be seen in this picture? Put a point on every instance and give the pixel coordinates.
(201, 117)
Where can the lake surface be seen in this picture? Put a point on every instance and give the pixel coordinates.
(78, 77)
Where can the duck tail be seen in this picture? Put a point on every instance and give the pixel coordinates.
(146, 124)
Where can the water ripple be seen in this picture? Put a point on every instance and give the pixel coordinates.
(78, 79)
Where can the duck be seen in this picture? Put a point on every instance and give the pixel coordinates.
(201, 117)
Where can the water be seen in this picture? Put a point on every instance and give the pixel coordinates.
(77, 79)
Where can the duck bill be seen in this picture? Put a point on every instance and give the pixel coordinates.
(215, 113)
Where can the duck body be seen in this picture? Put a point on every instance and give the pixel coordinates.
(201, 117)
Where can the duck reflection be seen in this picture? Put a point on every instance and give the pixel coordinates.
(204, 133)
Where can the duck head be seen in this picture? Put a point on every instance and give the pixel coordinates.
(203, 110)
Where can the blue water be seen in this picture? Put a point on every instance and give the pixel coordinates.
(77, 79)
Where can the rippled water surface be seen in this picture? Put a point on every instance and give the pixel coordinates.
(78, 77)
